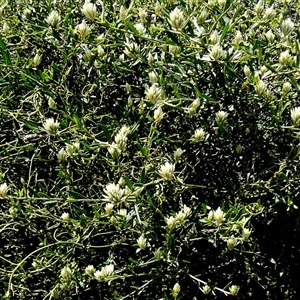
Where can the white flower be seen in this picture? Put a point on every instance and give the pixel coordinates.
(114, 151)
(176, 289)
(123, 13)
(158, 115)
(89, 270)
(51, 103)
(140, 28)
(238, 37)
(246, 233)
(83, 30)
(231, 243)
(177, 154)
(5, 28)
(199, 135)
(51, 126)
(270, 36)
(132, 49)
(171, 222)
(287, 27)
(216, 52)
(3, 190)
(286, 88)
(247, 71)
(260, 88)
(109, 208)
(65, 217)
(153, 77)
(53, 19)
(269, 13)
(37, 59)
(66, 274)
(62, 155)
(233, 290)
(284, 57)
(113, 193)
(105, 272)
(167, 171)
(206, 290)
(121, 140)
(221, 117)
(153, 93)
(219, 216)
(142, 242)
(122, 212)
(214, 37)
(89, 10)
(295, 116)
(176, 19)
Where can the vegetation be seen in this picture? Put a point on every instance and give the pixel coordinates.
(149, 149)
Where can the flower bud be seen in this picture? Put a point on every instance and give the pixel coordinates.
(284, 57)
(221, 117)
(246, 233)
(65, 217)
(176, 289)
(89, 10)
(287, 27)
(37, 59)
(233, 290)
(143, 15)
(123, 13)
(109, 208)
(176, 19)
(203, 16)
(150, 59)
(247, 71)
(216, 52)
(3, 190)
(83, 30)
(51, 103)
(53, 19)
(13, 211)
(260, 88)
(295, 116)
(142, 242)
(153, 93)
(214, 38)
(199, 135)
(89, 270)
(270, 36)
(100, 51)
(158, 115)
(231, 243)
(239, 148)
(259, 7)
(153, 77)
(5, 28)
(219, 216)
(206, 290)
(174, 50)
(177, 154)
(238, 37)
(269, 13)
(286, 88)
(26, 14)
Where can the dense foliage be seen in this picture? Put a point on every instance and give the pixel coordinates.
(149, 149)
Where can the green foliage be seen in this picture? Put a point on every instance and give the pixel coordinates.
(149, 150)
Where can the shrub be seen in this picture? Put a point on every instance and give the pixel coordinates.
(149, 150)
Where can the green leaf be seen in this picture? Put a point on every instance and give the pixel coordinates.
(4, 53)
(76, 195)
